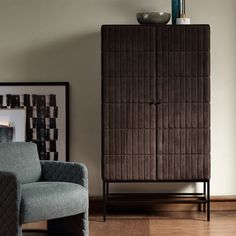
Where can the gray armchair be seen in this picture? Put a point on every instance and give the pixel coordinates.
(32, 190)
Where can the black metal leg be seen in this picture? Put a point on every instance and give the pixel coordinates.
(204, 193)
(202, 206)
(107, 190)
(104, 201)
(208, 200)
(199, 207)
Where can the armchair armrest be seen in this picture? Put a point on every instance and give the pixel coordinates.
(65, 172)
(10, 198)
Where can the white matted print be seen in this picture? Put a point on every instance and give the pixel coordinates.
(12, 125)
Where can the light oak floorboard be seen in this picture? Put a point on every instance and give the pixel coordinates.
(223, 223)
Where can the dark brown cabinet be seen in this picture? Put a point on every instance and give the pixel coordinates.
(155, 103)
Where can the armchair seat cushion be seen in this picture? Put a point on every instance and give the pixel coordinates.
(50, 200)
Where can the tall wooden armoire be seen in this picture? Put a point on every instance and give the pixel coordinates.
(156, 105)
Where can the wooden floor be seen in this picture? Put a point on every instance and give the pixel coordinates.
(223, 223)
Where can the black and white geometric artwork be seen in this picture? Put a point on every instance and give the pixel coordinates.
(46, 115)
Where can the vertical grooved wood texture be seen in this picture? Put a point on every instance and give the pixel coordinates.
(128, 89)
(184, 114)
(156, 102)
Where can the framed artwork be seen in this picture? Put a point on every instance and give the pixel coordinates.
(46, 108)
(12, 125)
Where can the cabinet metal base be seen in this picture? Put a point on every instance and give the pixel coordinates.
(202, 199)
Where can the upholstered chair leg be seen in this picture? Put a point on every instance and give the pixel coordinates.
(76, 225)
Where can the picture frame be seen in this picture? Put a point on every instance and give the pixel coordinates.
(47, 114)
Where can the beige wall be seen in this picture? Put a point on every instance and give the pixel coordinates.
(59, 40)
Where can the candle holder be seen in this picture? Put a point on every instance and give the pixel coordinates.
(182, 20)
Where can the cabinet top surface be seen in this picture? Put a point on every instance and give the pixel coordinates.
(155, 25)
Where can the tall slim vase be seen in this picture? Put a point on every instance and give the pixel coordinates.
(175, 10)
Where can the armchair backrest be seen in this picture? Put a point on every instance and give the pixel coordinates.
(21, 158)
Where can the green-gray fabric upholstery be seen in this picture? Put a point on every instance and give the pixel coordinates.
(9, 204)
(58, 198)
(22, 160)
(33, 190)
(65, 172)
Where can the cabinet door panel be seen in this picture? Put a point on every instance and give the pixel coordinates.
(129, 86)
(183, 117)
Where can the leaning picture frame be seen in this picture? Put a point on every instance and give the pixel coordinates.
(47, 114)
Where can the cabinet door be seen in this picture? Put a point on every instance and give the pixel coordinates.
(183, 112)
(128, 103)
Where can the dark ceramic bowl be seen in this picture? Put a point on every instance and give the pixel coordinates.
(153, 17)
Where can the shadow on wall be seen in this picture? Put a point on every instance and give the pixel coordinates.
(76, 60)
(64, 59)
(134, 6)
(154, 187)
